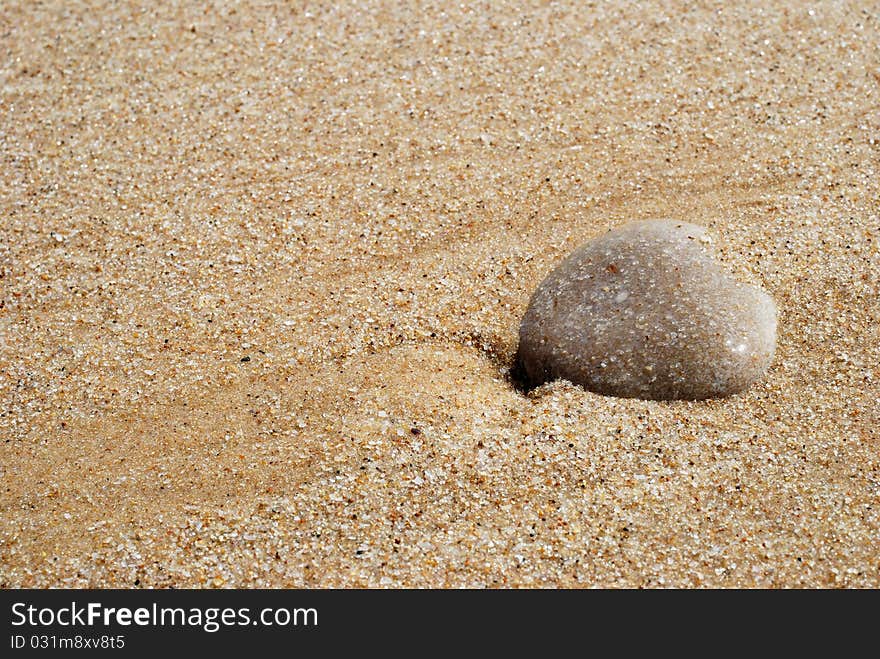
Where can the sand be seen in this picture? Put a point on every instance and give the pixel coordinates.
(263, 269)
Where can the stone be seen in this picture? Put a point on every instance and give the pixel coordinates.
(647, 311)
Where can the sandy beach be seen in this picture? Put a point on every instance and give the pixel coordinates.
(262, 269)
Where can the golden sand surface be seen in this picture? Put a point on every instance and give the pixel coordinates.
(262, 268)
